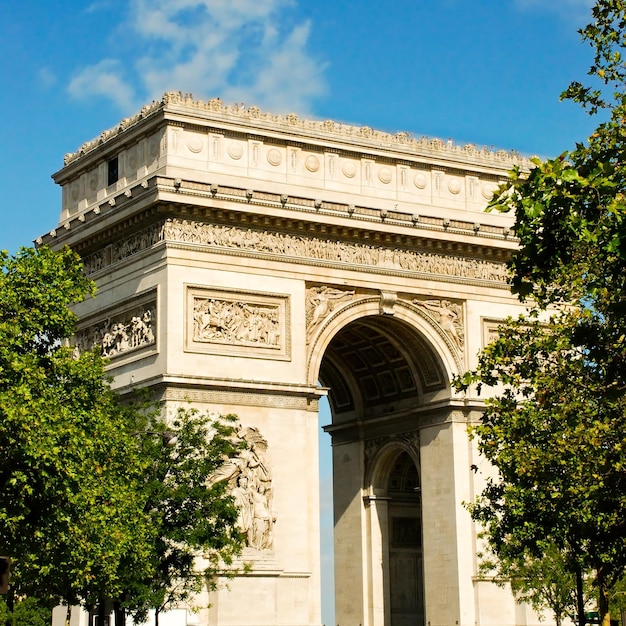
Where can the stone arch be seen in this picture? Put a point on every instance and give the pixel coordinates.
(381, 459)
(393, 546)
(416, 359)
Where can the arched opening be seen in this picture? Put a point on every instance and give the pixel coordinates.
(404, 555)
(383, 377)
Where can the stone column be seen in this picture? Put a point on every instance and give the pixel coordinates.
(449, 547)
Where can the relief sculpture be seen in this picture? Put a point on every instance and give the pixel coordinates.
(119, 334)
(320, 302)
(449, 316)
(239, 323)
(250, 480)
(299, 246)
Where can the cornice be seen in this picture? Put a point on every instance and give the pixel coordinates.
(177, 107)
(222, 203)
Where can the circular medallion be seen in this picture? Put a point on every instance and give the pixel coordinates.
(454, 185)
(93, 181)
(349, 169)
(132, 158)
(194, 144)
(487, 190)
(235, 151)
(274, 157)
(312, 163)
(419, 180)
(384, 175)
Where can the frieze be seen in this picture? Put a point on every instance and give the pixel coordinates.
(315, 248)
(252, 115)
(235, 322)
(240, 398)
(120, 333)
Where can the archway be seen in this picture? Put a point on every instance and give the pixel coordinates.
(383, 374)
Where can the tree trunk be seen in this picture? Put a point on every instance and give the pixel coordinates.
(101, 614)
(120, 614)
(156, 617)
(580, 600)
(603, 599)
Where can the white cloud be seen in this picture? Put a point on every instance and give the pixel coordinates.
(46, 77)
(239, 50)
(575, 10)
(104, 79)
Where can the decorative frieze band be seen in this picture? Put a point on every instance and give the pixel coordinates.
(298, 246)
(239, 398)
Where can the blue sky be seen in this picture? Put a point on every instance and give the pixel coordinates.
(487, 72)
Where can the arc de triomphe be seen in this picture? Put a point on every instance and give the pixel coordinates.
(251, 263)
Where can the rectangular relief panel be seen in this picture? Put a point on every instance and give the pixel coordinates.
(237, 323)
(127, 329)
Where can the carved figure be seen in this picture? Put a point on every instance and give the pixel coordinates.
(448, 315)
(321, 301)
(250, 480)
(242, 495)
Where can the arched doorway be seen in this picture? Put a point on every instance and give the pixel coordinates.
(383, 375)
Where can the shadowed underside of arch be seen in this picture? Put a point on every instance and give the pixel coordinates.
(378, 364)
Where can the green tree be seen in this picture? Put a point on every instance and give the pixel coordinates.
(92, 505)
(26, 612)
(544, 582)
(70, 470)
(193, 519)
(555, 429)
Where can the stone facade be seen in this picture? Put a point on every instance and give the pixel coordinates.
(249, 263)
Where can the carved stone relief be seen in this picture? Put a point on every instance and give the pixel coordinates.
(120, 333)
(320, 302)
(239, 323)
(286, 245)
(449, 316)
(249, 477)
(250, 322)
(490, 330)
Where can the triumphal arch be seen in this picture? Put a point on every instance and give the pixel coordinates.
(252, 263)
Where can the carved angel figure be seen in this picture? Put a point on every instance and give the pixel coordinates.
(321, 301)
(448, 315)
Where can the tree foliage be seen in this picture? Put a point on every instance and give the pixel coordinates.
(69, 467)
(193, 521)
(544, 582)
(555, 428)
(92, 506)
